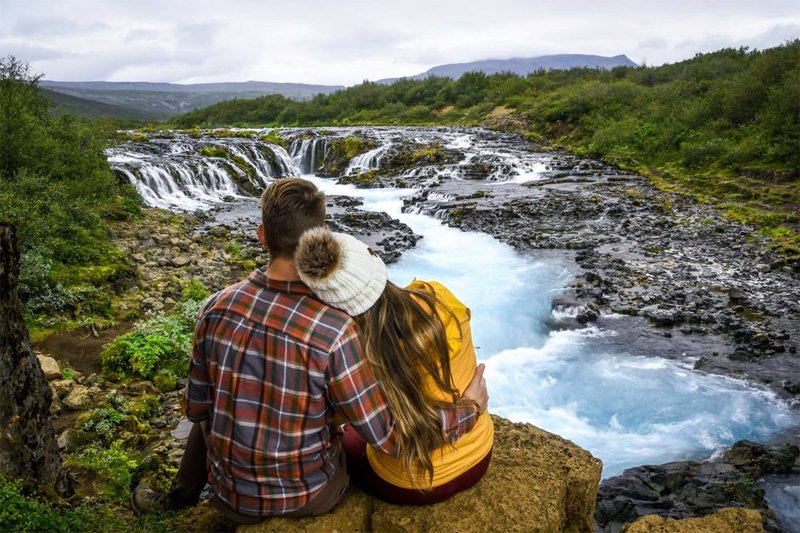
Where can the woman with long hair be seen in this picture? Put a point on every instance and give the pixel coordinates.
(417, 341)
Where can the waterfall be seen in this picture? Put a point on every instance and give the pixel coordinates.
(173, 173)
(308, 153)
(172, 170)
(370, 160)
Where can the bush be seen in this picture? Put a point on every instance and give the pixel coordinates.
(112, 468)
(57, 188)
(37, 292)
(158, 345)
(194, 290)
(102, 422)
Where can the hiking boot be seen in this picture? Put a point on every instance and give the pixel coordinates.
(145, 500)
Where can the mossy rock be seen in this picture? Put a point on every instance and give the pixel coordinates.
(729, 520)
(156, 472)
(537, 482)
(214, 151)
(165, 383)
(273, 138)
(340, 151)
(363, 180)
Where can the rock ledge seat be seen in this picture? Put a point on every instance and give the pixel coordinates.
(537, 482)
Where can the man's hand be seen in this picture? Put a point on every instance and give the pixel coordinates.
(477, 389)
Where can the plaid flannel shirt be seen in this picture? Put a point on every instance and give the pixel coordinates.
(271, 367)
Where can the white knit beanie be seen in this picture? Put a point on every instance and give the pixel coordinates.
(342, 271)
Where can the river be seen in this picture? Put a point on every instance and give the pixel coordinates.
(619, 400)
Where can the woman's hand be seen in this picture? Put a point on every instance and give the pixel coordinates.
(476, 390)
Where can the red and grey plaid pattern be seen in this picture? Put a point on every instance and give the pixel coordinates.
(271, 366)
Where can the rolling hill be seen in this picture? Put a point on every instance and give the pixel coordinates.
(66, 103)
(168, 99)
(522, 65)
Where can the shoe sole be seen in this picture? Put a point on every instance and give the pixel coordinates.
(134, 508)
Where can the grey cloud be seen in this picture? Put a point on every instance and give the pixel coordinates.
(30, 53)
(53, 26)
(776, 35)
(653, 43)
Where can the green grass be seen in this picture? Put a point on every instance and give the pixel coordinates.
(23, 509)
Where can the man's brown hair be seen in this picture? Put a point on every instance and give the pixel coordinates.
(289, 207)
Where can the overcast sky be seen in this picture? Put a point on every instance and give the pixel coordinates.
(347, 41)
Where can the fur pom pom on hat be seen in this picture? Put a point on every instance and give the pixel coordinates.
(342, 271)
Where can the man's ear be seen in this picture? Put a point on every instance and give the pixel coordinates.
(262, 235)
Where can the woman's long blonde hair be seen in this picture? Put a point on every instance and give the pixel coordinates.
(405, 343)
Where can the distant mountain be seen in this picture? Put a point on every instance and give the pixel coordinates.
(523, 65)
(169, 99)
(66, 103)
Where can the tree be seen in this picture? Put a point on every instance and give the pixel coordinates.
(22, 110)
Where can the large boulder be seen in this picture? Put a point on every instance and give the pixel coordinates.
(537, 482)
(688, 489)
(28, 447)
(729, 520)
(49, 367)
(78, 398)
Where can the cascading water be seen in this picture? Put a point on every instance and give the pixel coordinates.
(628, 406)
(175, 173)
(306, 153)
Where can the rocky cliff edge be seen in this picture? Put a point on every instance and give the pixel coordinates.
(537, 482)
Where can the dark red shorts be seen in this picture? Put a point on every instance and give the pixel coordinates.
(362, 475)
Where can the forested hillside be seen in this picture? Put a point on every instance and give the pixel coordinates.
(57, 188)
(724, 125)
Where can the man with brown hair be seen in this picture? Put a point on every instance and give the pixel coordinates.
(271, 368)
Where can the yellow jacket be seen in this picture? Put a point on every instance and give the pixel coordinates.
(449, 461)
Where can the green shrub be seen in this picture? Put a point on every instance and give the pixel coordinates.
(58, 189)
(158, 343)
(112, 468)
(186, 313)
(194, 290)
(102, 422)
(37, 291)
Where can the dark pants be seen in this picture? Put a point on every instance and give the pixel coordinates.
(192, 477)
(362, 474)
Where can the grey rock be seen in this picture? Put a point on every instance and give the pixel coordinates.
(49, 367)
(78, 398)
(181, 261)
